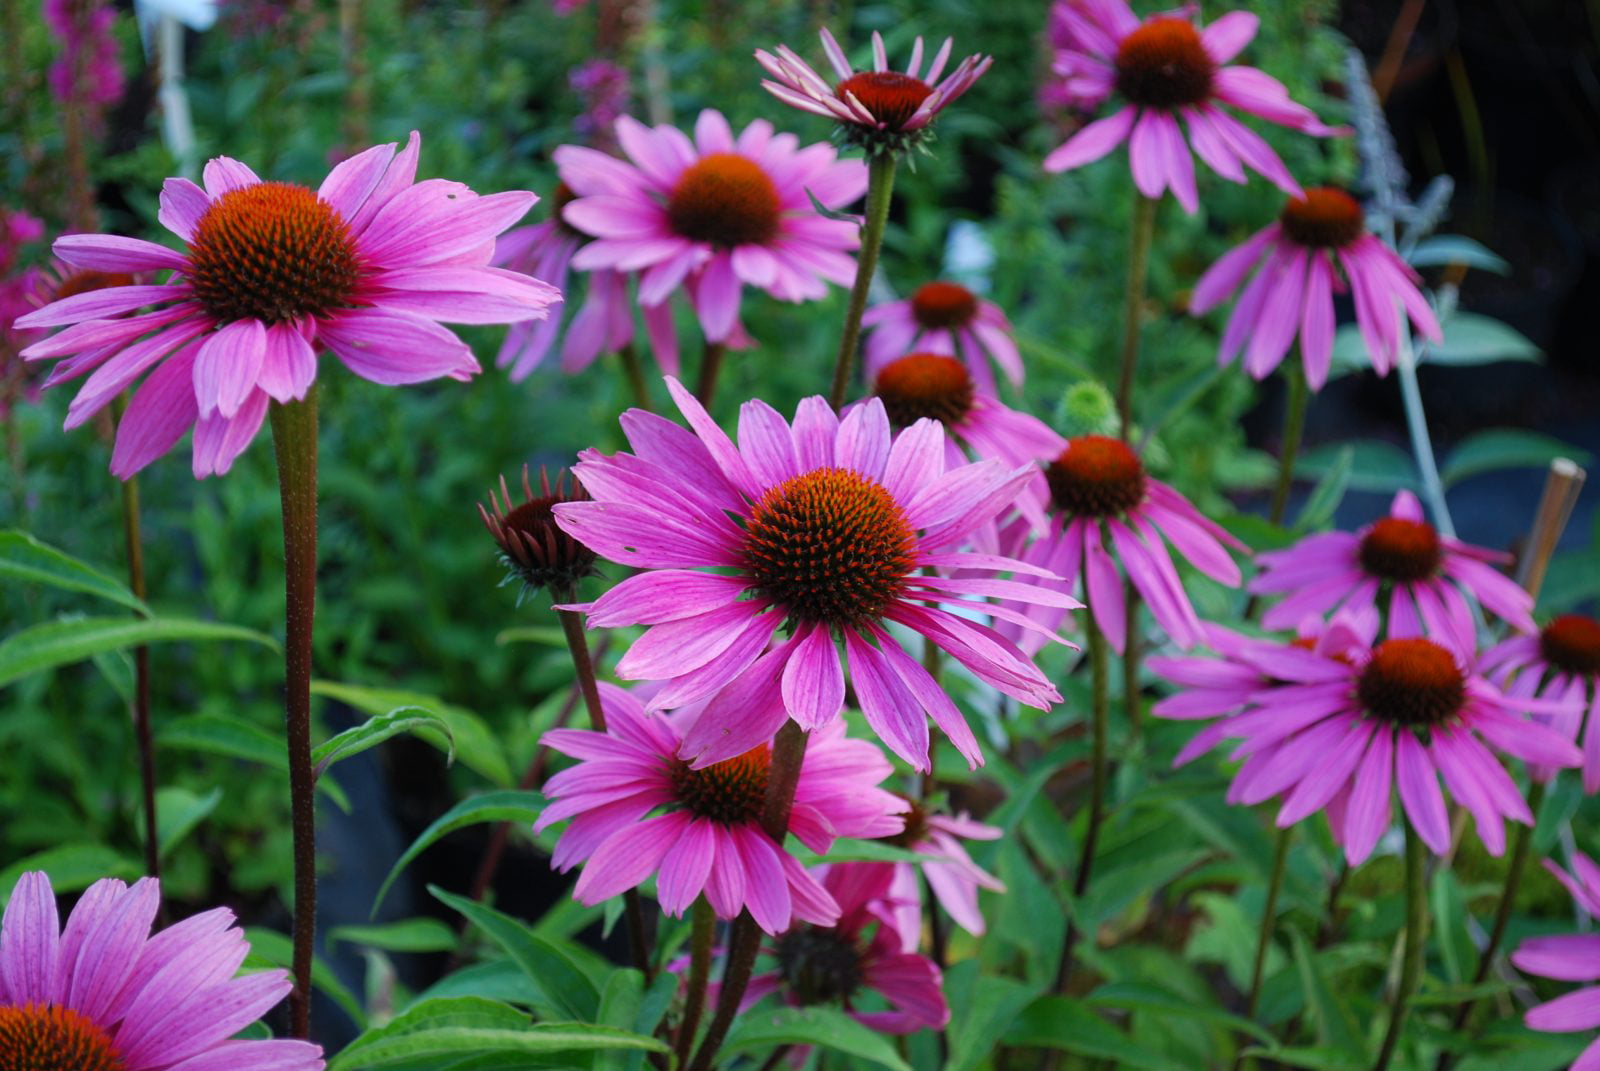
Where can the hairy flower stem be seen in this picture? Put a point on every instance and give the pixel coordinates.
(701, 937)
(710, 369)
(1294, 426)
(1416, 939)
(1140, 231)
(583, 666)
(633, 371)
(294, 439)
(880, 187)
(1521, 849)
(1269, 918)
(788, 752)
(1100, 673)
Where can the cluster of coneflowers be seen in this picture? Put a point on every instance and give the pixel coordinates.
(806, 565)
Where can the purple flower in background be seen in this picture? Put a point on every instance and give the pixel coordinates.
(89, 71)
(603, 87)
(1572, 958)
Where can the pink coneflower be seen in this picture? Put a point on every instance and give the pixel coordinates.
(1402, 559)
(716, 213)
(842, 963)
(1571, 958)
(1108, 509)
(1292, 292)
(710, 838)
(952, 875)
(105, 995)
(948, 319)
(367, 265)
(880, 110)
(1166, 67)
(822, 527)
(1346, 721)
(925, 385)
(1561, 663)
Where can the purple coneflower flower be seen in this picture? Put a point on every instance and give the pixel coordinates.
(944, 318)
(1299, 260)
(1561, 663)
(880, 110)
(367, 265)
(105, 995)
(952, 876)
(822, 526)
(716, 214)
(710, 837)
(1166, 68)
(1401, 559)
(1572, 958)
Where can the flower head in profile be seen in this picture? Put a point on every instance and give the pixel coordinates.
(708, 839)
(1400, 559)
(533, 547)
(103, 994)
(950, 872)
(1106, 509)
(823, 528)
(368, 265)
(1166, 68)
(1342, 725)
(1561, 662)
(714, 214)
(882, 111)
(1318, 247)
(1570, 958)
(865, 952)
(944, 318)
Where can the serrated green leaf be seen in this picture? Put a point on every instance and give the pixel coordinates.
(380, 727)
(476, 746)
(767, 1028)
(983, 1007)
(26, 559)
(566, 987)
(60, 643)
(215, 734)
(516, 806)
(178, 811)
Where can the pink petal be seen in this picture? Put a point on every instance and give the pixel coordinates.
(1093, 141)
(813, 678)
(226, 367)
(395, 348)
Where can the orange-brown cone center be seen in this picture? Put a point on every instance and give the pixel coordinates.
(560, 198)
(925, 385)
(272, 252)
(916, 830)
(1398, 550)
(1096, 476)
(36, 1037)
(1571, 643)
(819, 966)
(830, 546)
(725, 199)
(1325, 218)
(533, 546)
(1164, 64)
(730, 792)
(1412, 682)
(940, 306)
(892, 98)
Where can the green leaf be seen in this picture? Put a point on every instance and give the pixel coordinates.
(407, 935)
(475, 745)
(764, 1028)
(1473, 339)
(1315, 1059)
(273, 949)
(1374, 465)
(1329, 492)
(489, 807)
(59, 643)
(233, 738)
(178, 811)
(1071, 1026)
(1506, 448)
(24, 558)
(1336, 1027)
(1139, 996)
(982, 1015)
(566, 988)
(380, 727)
(1444, 249)
(497, 979)
(546, 637)
(437, 1030)
(71, 867)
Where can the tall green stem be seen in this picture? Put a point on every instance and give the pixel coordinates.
(1100, 673)
(633, 370)
(1521, 850)
(1416, 939)
(788, 752)
(880, 187)
(1294, 425)
(1269, 919)
(294, 439)
(701, 937)
(1140, 232)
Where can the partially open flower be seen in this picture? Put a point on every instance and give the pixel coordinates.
(945, 318)
(1569, 958)
(533, 547)
(1561, 662)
